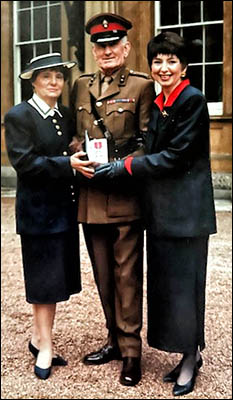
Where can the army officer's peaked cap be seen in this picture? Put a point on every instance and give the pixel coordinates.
(107, 27)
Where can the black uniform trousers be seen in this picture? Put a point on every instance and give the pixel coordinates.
(116, 253)
(176, 283)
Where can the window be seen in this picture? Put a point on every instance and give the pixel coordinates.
(201, 21)
(37, 30)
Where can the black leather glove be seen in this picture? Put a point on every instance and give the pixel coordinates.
(111, 170)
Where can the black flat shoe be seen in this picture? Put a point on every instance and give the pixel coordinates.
(42, 373)
(180, 390)
(57, 361)
(131, 371)
(103, 356)
(173, 375)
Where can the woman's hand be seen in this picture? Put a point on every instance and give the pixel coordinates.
(82, 166)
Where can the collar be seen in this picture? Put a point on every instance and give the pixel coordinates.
(42, 107)
(113, 76)
(159, 101)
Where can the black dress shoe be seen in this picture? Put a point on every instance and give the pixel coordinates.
(42, 373)
(131, 371)
(180, 390)
(173, 375)
(103, 356)
(56, 361)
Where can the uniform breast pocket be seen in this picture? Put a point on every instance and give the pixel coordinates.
(121, 118)
(83, 114)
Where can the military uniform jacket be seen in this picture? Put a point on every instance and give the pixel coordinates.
(176, 178)
(38, 150)
(125, 108)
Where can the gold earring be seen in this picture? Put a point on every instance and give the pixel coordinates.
(183, 74)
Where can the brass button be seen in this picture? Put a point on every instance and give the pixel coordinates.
(59, 133)
(57, 126)
(64, 153)
(80, 108)
(96, 122)
(120, 109)
(54, 121)
(99, 103)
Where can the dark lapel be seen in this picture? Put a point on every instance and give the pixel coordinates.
(151, 137)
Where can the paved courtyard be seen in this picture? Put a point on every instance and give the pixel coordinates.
(79, 328)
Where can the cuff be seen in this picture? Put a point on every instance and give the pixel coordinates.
(127, 164)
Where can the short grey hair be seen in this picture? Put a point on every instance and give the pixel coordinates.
(124, 39)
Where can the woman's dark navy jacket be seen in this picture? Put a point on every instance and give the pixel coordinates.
(46, 186)
(177, 192)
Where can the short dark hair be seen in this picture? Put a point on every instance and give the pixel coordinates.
(168, 43)
(62, 69)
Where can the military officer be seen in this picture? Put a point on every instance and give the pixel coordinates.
(117, 111)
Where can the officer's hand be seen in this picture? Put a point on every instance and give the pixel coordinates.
(111, 170)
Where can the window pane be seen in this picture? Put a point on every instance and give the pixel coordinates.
(24, 26)
(194, 73)
(169, 12)
(54, 2)
(40, 23)
(191, 34)
(39, 3)
(176, 30)
(213, 10)
(214, 43)
(26, 56)
(190, 11)
(56, 47)
(24, 4)
(213, 91)
(42, 48)
(55, 21)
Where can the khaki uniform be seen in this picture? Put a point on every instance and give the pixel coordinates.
(125, 108)
(111, 214)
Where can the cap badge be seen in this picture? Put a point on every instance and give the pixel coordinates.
(105, 23)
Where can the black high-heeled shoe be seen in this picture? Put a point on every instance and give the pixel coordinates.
(173, 375)
(57, 361)
(180, 390)
(42, 373)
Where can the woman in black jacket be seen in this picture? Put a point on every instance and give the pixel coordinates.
(38, 133)
(178, 206)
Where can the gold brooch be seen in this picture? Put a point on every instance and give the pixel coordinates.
(164, 113)
(105, 24)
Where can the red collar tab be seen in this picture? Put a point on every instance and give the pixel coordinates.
(110, 26)
(159, 101)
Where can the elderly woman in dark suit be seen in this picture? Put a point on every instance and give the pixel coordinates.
(38, 133)
(178, 206)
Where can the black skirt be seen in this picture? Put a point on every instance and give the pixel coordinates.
(176, 283)
(51, 266)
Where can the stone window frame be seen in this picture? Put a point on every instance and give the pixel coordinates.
(215, 108)
(18, 45)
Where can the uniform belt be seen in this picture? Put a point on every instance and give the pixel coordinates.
(118, 152)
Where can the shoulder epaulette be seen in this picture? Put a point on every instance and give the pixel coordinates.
(86, 75)
(137, 73)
